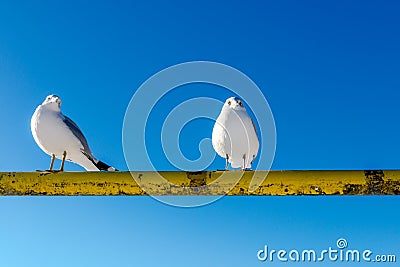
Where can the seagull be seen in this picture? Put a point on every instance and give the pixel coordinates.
(234, 136)
(60, 137)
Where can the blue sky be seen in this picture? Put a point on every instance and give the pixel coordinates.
(329, 70)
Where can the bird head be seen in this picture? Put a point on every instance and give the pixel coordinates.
(234, 103)
(52, 102)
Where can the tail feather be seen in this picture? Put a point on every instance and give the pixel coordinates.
(104, 167)
(99, 164)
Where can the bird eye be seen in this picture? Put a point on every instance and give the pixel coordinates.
(240, 103)
(229, 103)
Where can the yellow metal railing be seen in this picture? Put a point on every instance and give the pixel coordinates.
(378, 182)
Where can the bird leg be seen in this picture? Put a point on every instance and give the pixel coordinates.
(50, 170)
(52, 162)
(244, 162)
(63, 161)
(53, 157)
(226, 165)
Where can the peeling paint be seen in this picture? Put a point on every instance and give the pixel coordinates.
(278, 183)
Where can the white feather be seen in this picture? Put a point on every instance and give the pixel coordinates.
(234, 135)
(54, 136)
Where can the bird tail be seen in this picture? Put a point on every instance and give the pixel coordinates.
(104, 167)
(101, 166)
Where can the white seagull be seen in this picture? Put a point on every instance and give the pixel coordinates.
(58, 136)
(234, 135)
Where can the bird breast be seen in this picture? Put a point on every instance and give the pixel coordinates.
(236, 133)
(51, 134)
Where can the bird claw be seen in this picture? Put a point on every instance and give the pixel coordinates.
(49, 171)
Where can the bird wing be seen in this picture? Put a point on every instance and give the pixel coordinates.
(78, 133)
(254, 126)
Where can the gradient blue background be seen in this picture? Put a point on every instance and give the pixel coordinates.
(329, 69)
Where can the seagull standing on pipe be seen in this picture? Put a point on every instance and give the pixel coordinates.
(234, 135)
(58, 136)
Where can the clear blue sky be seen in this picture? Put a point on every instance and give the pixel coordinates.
(329, 69)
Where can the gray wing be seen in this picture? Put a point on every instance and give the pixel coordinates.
(254, 126)
(78, 133)
(255, 130)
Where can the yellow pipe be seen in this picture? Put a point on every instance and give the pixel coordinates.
(277, 183)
